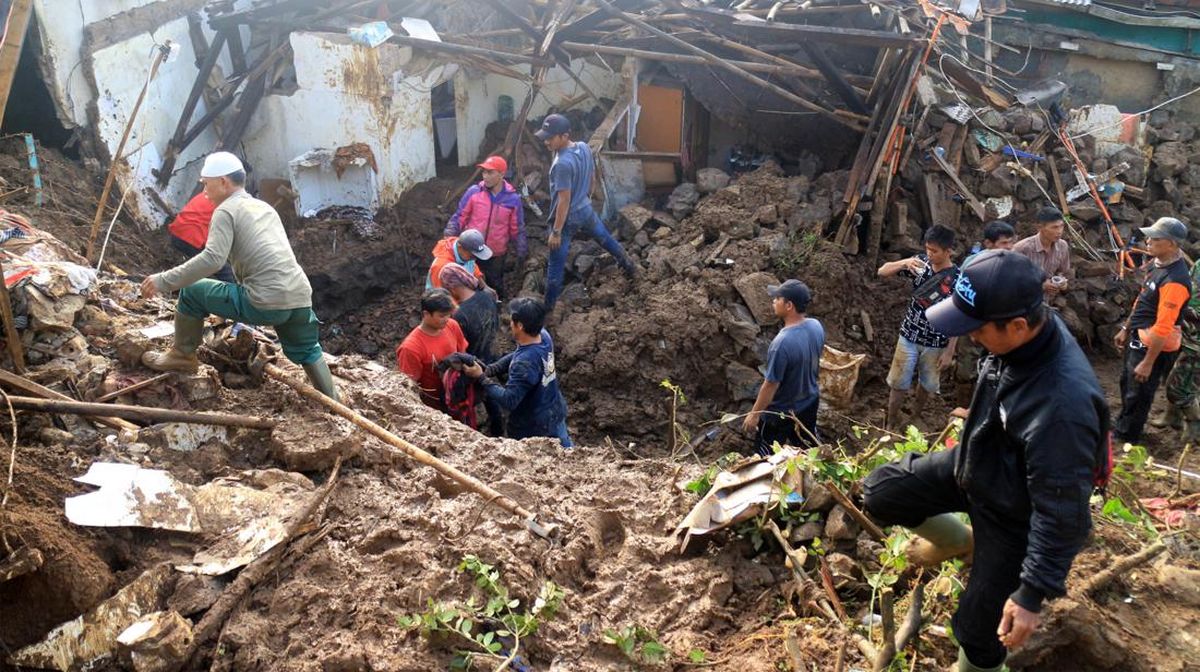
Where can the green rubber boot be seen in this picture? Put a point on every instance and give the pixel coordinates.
(1172, 417)
(1191, 422)
(965, 665)
(182, 356)
(941, 538)
(322, 378)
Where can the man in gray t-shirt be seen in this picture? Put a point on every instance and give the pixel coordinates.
(785, 411)
(271, 289)
(571, 211)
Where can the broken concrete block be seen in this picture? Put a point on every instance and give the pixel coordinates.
(1135, 174)
(807, 532)
(130, 346)
(816, 497)
(1086, 211)
(305, 449)
(1169, 159)
(840, 525)
(753, 290)
(742, 381)
(683, 200)
(183, 437)
(741, 327)
(584, 264)
(635, 216)
(767, 215)
(201, 385)
(1102, 311)
(709, 180)
(999, 182)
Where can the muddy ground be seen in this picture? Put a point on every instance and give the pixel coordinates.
(395, 532)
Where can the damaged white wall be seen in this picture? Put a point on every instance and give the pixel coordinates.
(477, 99)
(120, 71)
(350, 93)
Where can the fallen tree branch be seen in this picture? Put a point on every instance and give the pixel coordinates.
(214, 619)
(887, 611)
(1099, 581)
(855, 513)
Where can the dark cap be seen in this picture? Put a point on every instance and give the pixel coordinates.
(792, 290)
(471, 240)
(1167, 227)
(552, 125)
(997, 285)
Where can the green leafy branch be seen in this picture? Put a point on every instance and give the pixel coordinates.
(483, 621)
(639, 644)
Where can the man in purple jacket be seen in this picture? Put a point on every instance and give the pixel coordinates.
(494, 209)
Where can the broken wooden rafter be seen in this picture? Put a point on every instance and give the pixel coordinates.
(837, 35)
(176, 143)
(141, 413)
(976, 206)
(617, 111)
(850, 119)
(16, 23)
(14, 382)
(664, 57)
(838, 83)
(460, 49)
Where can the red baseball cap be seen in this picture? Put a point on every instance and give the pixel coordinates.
(494, 163)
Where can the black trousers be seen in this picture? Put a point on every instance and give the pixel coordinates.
(786, 429)
(493, 273)
(921, 486)
(188, 251)
(1136, 397)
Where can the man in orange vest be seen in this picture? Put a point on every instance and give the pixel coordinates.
(189, 232)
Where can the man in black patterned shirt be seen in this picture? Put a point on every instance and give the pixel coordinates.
(921, 350)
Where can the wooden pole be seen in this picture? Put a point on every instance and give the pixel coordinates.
(135, 387)
(855, 513)
(176, 144)
(846, 118)
(10, 330)
(116, 157)
(141, 413)
(14, 382)
(10, 51)
(768, 68)
(479, 487)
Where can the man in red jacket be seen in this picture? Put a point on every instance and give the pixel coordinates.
(494, 209)
(189, 232)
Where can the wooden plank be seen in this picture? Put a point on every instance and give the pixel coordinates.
(617, 111)
(664, 57)
(176, 143)
(453, 48)
(838, 83)
(145, 414)
(1063, 206)
(976, 206)
(10, 53)
(837, 35)
(14, 382)
(10, 328)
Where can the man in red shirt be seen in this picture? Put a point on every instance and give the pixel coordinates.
(428, 343)
(189, 232)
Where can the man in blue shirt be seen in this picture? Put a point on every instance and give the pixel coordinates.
(785, 411)
(571, 204)
(531, 396)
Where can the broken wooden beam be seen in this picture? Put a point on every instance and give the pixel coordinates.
(176, 143)
(11, 337)
(835, 34)
(14, 382)
(853, 120)
(834, 77)
(664, 57)
(861, 518)
(976, 207)
(134, 387)
(141, 413)
(465, 49)
(16, 24)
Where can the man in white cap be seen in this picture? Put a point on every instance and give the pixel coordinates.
(273, 289)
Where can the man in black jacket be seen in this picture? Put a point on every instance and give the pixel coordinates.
(1023, 468)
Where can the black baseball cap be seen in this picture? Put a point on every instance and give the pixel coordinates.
(1168, 228)
(997, 285)
(552, 125)
(792, 290)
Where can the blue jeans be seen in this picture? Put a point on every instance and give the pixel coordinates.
(586, 222)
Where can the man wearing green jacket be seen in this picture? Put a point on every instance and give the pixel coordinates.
(271, 289)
